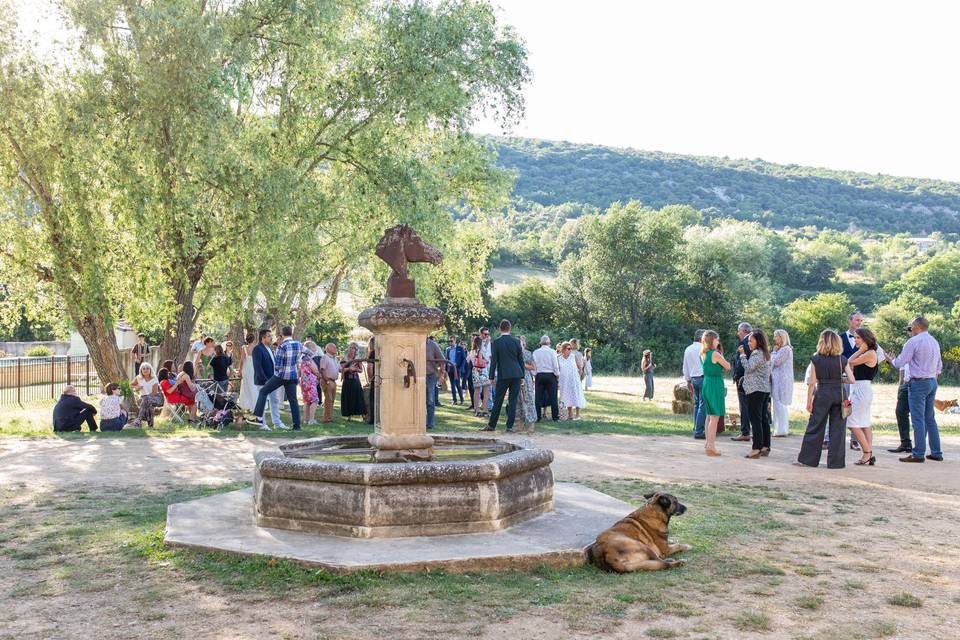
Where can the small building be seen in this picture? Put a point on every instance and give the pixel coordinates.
(924, 244)
(125, 336)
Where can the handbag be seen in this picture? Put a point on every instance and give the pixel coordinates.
(846, 407)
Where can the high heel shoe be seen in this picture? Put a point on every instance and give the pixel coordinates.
(753, 455)
(872, 460)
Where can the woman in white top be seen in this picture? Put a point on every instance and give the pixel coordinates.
(113, 415)
(782, 394)
(571, 395)
(151, 397)
(248, 390)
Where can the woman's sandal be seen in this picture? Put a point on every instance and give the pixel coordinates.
(870, 461)
(753, 455)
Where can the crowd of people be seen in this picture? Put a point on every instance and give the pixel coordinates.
(839, 392)
(480, 378)
(531, 381)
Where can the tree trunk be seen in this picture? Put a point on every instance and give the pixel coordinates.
(177, 334)
(238, 335)
(300, 317)
(102, 347)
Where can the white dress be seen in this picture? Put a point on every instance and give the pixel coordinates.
(248, 391)
(588, 375)
(861, 399)
(570, 393)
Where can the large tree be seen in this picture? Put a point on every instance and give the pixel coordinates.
(266, 142)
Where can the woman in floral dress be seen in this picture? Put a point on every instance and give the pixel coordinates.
(527, 389)
(308, 387)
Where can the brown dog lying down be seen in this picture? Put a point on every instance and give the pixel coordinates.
(639, 541)
(943, 405)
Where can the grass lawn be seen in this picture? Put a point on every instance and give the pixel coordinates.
(614, 407)
(86, 543)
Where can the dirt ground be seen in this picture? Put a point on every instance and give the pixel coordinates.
(865, 534)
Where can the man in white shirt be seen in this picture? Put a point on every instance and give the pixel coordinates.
(693, 374)
(548, 375)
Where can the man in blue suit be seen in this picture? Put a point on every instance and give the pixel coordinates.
(263, 371)
(506, 373)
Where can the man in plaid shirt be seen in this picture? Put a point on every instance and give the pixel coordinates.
(286, 362)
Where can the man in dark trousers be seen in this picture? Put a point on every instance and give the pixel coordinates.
(743, 338)
(263, 371)
(71, 412)
(506, 373)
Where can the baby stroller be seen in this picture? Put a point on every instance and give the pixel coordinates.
(221, 410)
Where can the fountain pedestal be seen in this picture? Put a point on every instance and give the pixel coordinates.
(400, 327)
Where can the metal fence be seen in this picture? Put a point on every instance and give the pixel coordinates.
(26, 380)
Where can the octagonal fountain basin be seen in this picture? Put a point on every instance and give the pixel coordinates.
(472, 485)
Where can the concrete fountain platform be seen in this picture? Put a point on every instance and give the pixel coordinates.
(226, 522)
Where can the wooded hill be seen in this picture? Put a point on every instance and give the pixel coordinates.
(553, 173)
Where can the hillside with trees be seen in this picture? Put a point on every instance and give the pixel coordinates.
(552, 173)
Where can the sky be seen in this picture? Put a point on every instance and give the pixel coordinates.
(865, 86)
(848, 84)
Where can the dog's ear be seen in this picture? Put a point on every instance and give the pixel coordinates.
(665, 502)
(648, 495)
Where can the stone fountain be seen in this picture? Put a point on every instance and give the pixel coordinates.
(314, 500)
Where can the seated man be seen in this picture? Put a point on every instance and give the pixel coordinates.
(71, 412)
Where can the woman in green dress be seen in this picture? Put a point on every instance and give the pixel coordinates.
(713, 392)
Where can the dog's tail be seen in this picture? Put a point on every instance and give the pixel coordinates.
(595, 557)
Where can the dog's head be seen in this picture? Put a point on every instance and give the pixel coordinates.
(943, 405)
(666, 503)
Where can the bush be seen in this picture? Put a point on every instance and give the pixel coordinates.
(331, 326)
(39, 351)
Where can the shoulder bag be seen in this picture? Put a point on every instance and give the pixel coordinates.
(846, 407)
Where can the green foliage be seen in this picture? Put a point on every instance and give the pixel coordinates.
(531, 304)
(329, 325)
(938, 279)
(806, 318)
(38, 351)
(248, 153)
(552, 173)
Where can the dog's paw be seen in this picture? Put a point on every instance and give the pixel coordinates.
(685, 547)
(676, 564)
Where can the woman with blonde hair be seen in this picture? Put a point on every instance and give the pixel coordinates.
(568, 384)
(713, 392)
(825, 402)
(150, 395)
(782, 387)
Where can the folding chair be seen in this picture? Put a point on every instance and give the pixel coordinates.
(176, 409)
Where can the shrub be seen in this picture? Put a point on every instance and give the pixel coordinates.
(905, 600)
(39, 351)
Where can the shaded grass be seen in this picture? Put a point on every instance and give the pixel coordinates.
(114, 537)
